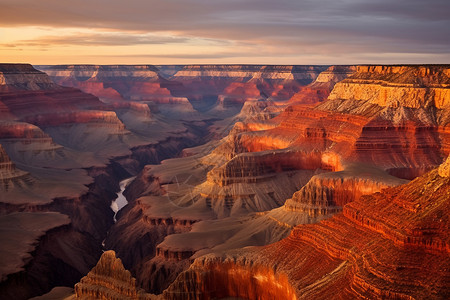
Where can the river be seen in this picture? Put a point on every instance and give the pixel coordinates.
(120, 201)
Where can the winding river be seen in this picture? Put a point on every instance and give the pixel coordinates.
(120, 201)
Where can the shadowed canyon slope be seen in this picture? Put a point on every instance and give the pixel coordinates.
(225, 157)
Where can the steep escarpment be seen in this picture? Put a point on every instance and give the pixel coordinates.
(23, 77)
(218, 89)
(392, 244)
(43, 103)
(403, 139)
(395, 86)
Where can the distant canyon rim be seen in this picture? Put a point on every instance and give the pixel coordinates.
(238, 181)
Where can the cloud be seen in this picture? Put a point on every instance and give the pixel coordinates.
(99, 39)
(269, 27)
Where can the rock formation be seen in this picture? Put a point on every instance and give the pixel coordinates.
(275, 160)
(28, 228)
(110, 83)
(444, 169)
(397, 86)
(219, 89)
(9, 175)
(108, 280)
(231, 85)
(23, 77)
(320, 88)
(392, 244)
(71, 150)
(319, 158)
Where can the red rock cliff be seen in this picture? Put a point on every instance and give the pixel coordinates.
(390, 245)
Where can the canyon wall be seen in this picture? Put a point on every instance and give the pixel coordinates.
(219, 89)
(299, 167)
(392, 244)
(63, 153)
(407, 86)
(280, 155)
(23, 77)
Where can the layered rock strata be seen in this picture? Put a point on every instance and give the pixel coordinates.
(391, 245)
(116, 83)
(9, 175)
(76, 150)
(320, 88)
(345, 148)
(395, 86)
(109, 280)
(23, 77)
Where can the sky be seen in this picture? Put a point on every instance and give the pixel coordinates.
(225, 32)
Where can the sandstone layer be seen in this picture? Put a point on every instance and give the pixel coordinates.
(392, 244)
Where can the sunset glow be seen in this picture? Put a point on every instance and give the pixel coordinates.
(200, 31)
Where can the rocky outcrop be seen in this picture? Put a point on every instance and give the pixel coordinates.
(91, 116)
(40, 250)
(392, 244)
(23, 103)
(109, 280)
(9, 175)
(404, 141)
(327, 193)
(232, 85)
(229, 279)
(444, 169)
(23, 77)
(396, 86)
(255, 167)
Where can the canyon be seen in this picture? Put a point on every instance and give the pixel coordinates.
(246, 178)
